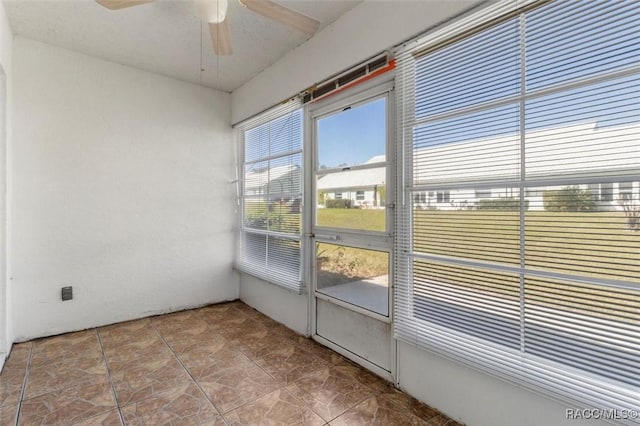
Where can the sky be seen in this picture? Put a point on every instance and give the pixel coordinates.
(353, 136)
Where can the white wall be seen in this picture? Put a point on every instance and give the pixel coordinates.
(475, 398)
(6, 51)
(282, 305)
(121, 189)
(368, 29)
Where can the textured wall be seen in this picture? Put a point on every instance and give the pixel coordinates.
(6, 68)
(121, 183)
(364, 31)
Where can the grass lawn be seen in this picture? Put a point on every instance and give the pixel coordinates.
(590, 244)
(345, 264)
(595, 245)
(361, 219)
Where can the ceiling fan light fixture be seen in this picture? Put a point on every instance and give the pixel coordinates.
(212, 11)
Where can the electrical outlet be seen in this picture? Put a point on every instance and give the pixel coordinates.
(67, 293)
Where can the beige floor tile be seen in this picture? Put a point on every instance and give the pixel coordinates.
(207, 359)
(125, 326)
(147, 377)
(276, 408)
(409, 404)
(231, 387)
(131, 332)
(13, 373)
(68, 406)
(178, 321)
(329, 392)
(64, 373)
(235, 319)
(199, 333)
(318, 350)
(110, 418)
(19, 355)
(261, 345)
(378, 411)
(183, 405)
(71, 346)
(215, 312)
(245, 365)
(11, 382)
(8, 415)
(148, 348)
(249, 311)
(289, 363)
(441, 420)
(245, 331)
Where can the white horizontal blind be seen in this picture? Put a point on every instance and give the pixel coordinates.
(270, 196)
(518, 236)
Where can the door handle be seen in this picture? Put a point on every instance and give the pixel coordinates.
(327, 237)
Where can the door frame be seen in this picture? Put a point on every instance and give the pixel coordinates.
(375, 88)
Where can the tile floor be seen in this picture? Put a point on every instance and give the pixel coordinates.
(222, 364)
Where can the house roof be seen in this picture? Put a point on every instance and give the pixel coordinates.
(288, 174)
(576, 150)
(364, 178)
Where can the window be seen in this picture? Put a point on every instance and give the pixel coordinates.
(482, 193)
(443, 196)
(531, 193)
(606, 192)
(270, 196)
(338, 196)
(594, 190)
(625, 190)
(539, 284)
(359, 195)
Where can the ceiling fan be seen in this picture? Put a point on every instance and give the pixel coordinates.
(214, 12)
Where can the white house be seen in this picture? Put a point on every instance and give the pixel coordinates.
(274, 183)
(573, 151)
(364, 187)
(551, 152)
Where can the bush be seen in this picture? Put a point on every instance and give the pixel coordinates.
(631, 210)
(507, 204)
(338, 204)
(569, 199)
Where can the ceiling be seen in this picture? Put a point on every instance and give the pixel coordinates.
(167, 37)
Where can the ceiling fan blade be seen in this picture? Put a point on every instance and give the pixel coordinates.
(221, 37)
(121, 4)
(283, 15)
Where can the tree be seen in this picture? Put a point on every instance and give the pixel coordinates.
(569, 199)
(382, 194)
(322, 197)
(631, 210)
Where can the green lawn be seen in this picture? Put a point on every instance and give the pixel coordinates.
(593, 245)
(341, 264)
(361, 219)
(590, 244)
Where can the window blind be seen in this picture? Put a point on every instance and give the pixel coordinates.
(529, 270)
(270, 195)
